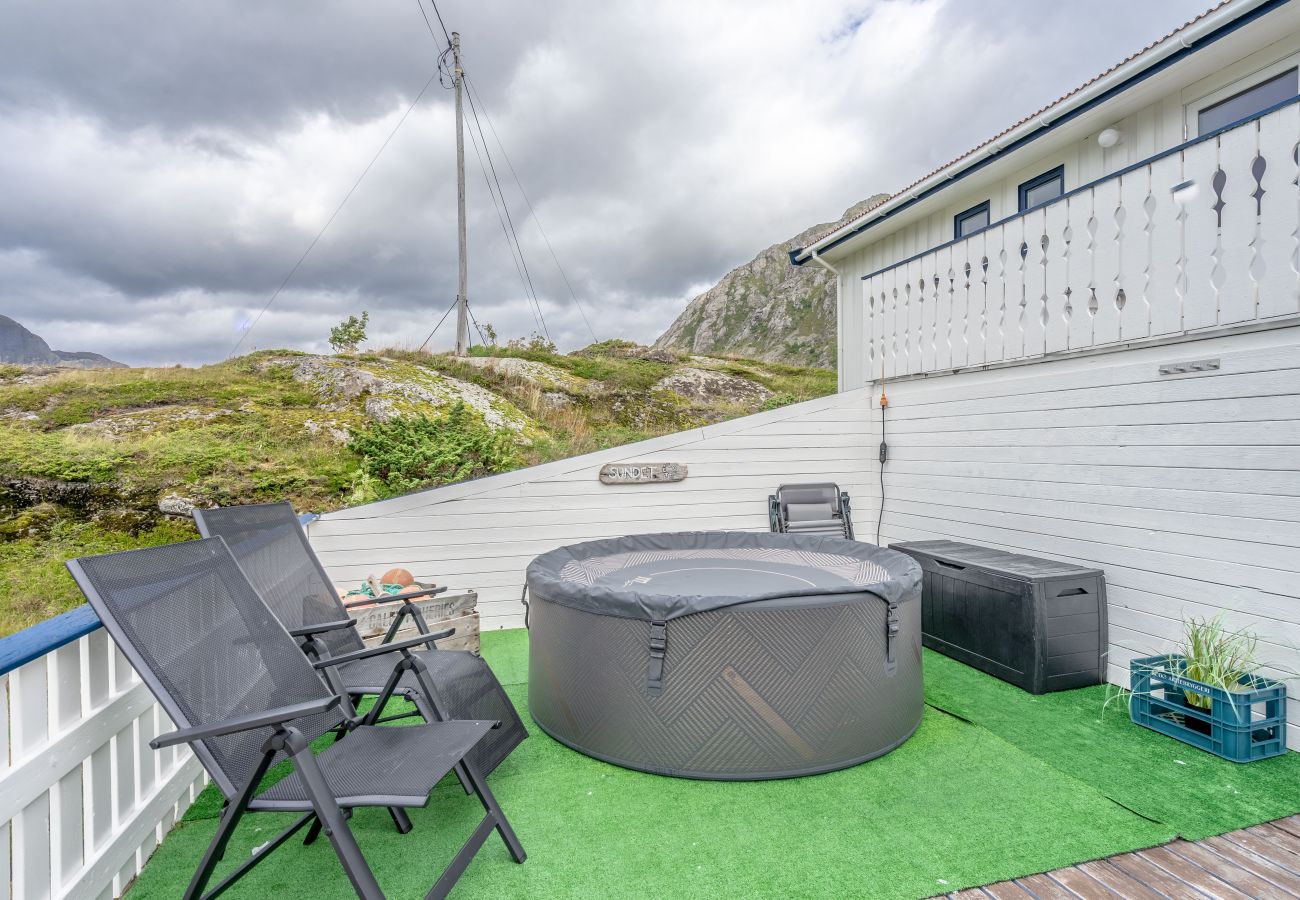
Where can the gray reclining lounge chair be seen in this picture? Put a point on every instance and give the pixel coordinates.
(244, 697)
(273, 551)
(810, 509)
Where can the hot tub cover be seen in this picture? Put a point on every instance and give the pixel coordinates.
(664, 576)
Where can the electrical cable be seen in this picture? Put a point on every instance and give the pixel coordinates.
(531, 211)
(330, 220)
(436, 327)
(884, 450)
(504, 230)
(509, 220)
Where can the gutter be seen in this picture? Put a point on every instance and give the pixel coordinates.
(1200, 34)
(839, 319)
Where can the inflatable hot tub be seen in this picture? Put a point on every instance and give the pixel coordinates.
(726, 655)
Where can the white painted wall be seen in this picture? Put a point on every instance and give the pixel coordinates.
(84, 800)
(482, 534)
(1184, 488)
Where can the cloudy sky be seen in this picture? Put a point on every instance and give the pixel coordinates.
(164, 165)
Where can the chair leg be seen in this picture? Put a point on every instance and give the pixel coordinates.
(400, 819)
(489, 801)
(231, 813)
(495, 820)
(331, 817)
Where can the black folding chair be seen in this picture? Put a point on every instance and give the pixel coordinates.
(273, 550)
(244, 697)
(810, 509)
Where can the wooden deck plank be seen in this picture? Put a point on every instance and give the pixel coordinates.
(1262, 846)
(1190, 873)
(1291, 824)
(1262, 861)
(1083, 884)
(1044, 888)
(1230, 873)
(1279, 875)
(1119, 881)
(1279, 836)
(1151, 875)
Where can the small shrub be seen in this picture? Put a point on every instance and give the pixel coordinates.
(534, 343)
(776, 401)
(412, 452)
(349, 334)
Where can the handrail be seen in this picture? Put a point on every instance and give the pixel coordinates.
(1132, 167)
(45, 637)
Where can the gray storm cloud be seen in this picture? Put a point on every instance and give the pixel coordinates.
(162, 166)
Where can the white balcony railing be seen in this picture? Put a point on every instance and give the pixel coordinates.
(83, 799)
(1203, 236)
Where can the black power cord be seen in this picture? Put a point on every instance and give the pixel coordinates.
(884, 455)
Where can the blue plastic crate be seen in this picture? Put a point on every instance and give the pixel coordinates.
(1240, 726)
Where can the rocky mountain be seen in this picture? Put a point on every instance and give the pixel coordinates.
(18, 346)
(95, 461)
(766, 309)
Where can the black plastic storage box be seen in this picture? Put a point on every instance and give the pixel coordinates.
(1037, 623)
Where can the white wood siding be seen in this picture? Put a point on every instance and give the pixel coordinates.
(483, 534)
(83, 799)
(1184, 488)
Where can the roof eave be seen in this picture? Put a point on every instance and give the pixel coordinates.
(1178, 44)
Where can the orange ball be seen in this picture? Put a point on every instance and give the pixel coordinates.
(398, 576)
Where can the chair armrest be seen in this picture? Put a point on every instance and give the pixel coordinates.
(245, 723)
(384, 648)
(395, 598)
(306, 630)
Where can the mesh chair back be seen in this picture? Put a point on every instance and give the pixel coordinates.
(209, 649)
(811, 509)
(273, 550)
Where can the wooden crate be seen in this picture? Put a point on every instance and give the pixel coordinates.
(443, 611)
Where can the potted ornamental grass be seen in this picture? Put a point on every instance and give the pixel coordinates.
(1210, 693)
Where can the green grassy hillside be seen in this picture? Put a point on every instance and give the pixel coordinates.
(95, 461)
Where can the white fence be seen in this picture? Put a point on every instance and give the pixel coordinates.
(1201, 237)
(83, 798)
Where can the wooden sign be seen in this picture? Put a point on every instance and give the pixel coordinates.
(641, 473)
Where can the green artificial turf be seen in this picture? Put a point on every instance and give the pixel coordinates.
(1194, 792)
(1011, 784)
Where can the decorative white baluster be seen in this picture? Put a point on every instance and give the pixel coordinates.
(1109, 219)
(1237, 292)
(1164, 247)
(1058, 308)
(943, 310)
(1279, 214)
(1135, 254)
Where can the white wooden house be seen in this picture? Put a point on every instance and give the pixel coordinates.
(1088, 329)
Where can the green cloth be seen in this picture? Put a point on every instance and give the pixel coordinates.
(1006, 785)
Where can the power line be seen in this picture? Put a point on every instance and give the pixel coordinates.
(331, 219)
(514, 252)
(509, 220)
(531, 211)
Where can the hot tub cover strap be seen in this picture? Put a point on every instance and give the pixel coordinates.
(659, 577)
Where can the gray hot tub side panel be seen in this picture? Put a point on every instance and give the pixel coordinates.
(771, 689)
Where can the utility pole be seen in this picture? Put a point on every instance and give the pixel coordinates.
(462, 308)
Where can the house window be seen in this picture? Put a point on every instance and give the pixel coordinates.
(1037, 191)
(1248, 102)
(971, 221)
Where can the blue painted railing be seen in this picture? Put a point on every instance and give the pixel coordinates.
(45, 637)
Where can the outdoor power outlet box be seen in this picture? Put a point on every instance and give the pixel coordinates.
(1037, 623)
